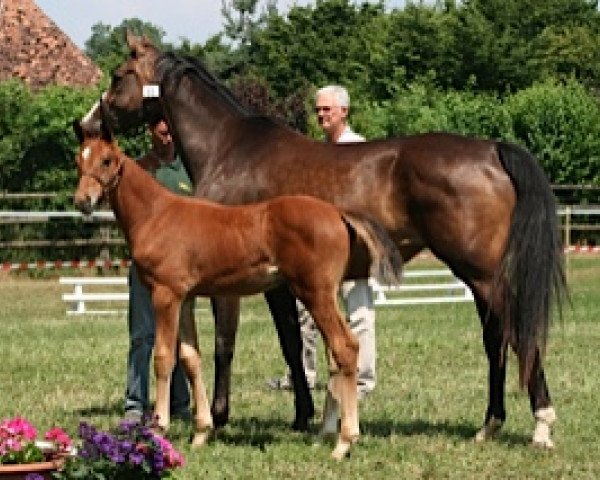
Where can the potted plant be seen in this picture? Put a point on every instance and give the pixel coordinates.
(131, 451)
(22, 456)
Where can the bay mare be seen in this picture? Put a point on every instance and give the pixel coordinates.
(189, 246)
(484, 207)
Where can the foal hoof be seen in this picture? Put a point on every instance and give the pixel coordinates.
(546, 444)
(342, 449)
(201, 438)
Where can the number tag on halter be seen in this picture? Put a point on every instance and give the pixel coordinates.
(151, 91)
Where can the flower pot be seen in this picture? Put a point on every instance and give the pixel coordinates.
(20, 471)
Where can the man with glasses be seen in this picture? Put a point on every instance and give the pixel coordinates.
(332, 105)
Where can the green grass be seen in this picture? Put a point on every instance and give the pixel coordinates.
(419, 423)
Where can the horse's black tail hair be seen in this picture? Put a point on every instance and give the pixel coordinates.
(532, 273)
(386, 261)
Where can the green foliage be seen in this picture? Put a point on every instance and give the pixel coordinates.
(37, 143)
(332, 42)
(559, 122)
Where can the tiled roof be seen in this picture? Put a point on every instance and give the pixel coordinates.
(35, 50)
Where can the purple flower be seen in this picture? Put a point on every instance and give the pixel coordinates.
(131, 447)
(136, 458)
(34, 476)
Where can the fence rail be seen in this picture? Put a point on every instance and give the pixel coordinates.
(570, 222)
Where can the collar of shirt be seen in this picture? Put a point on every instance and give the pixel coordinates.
(350, 136)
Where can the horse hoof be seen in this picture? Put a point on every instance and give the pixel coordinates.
(489, 430)
(546, 444)
(201, 438)
(342, 449)
(220, 418)
(300, 425)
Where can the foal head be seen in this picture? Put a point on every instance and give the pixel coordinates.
(99, 164)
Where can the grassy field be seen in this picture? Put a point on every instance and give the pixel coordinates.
(419, 422)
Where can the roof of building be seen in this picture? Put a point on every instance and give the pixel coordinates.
(36, 51)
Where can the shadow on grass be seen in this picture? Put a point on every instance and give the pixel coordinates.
(253, 431)
(104, 410)
(462, 431)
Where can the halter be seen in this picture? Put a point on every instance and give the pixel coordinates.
(108, 187)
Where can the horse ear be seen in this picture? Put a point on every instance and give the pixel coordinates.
(78, 129)
(132, 39)
(107, 134)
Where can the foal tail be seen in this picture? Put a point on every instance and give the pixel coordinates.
(532, 273)
(386, 261)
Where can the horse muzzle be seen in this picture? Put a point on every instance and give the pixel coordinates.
(84, 204)
(86, 197)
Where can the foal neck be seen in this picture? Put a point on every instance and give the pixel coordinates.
(137, 196)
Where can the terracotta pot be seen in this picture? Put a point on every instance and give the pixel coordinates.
(20, 471)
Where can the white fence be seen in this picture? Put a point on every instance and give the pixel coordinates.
(78, 298)
(413, 290)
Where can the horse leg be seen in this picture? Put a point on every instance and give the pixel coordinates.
(226, 311)
(492, 340)
(331, 409)
(189, 355)
(167, 307)
(541, 406)
(343, 348)
(282, 305)
(539, 396)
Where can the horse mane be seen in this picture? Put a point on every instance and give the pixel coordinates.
(172, 67)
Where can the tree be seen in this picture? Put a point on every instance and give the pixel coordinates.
(335, 41)
(503, 43)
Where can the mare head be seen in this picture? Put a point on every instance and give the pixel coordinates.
(99, 164)
(133, 93)
(136, 93)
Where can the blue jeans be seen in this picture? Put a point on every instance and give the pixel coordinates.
(141, 322)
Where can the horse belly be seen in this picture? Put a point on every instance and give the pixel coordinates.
(245, 281)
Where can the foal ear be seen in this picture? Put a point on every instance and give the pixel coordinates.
(78, 129)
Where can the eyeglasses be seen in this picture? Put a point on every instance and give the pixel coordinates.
(322, 109)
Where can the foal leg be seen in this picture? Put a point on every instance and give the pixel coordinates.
(282, 305)
(331, 409)
(166, 306)
(189, 355)
(226, 311)
(343, 346)
(492, 340)
(541, 406)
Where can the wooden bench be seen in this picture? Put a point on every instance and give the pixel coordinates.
(414, 290)
(78, 297)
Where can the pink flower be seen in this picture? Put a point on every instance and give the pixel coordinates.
(60, 437)
(14, 444)
(18, 427)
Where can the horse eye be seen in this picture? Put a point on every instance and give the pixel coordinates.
(106, 162)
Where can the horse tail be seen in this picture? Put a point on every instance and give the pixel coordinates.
(386, 261)
(532, 274)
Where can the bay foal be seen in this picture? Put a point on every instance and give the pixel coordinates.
(188, 246)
